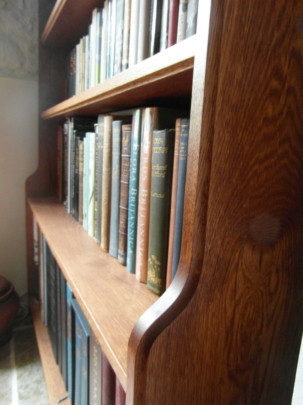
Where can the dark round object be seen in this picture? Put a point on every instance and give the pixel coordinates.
(9, 306)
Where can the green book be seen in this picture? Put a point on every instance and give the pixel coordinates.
(160, 196)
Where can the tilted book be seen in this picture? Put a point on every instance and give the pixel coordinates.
(160, 197)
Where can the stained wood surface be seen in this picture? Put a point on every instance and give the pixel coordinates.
(164, 79)
(53, 379)
(236, 341)
(68, 22)
(111, 298)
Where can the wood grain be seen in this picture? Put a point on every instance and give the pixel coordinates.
(164, 79)
(53, 379)
(111, 298)
(237, 339)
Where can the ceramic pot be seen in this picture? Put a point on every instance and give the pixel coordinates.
(9, 306)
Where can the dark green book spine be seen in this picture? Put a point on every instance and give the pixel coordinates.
(161, 180)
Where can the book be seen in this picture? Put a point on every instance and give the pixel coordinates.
(108, 383)
(133, 191)
(63, 331)
(180, 194)
(115, 187)
(173, 22)
(133, 35)
(173, 203)
(70, 343)
(164, 25)
(106, 182)
(182, 20)
(91, 136)
(81, 159)
(155, 26)
(104, 42)
(60, 162)
(95, 371)
(126, 32)
(161, 177)
(143, 30)
(78, 357)
(153, 118)
(191, 20)
(98, 177)
(120, 393)
(119, 37)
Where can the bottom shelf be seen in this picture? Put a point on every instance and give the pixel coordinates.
(53, 379)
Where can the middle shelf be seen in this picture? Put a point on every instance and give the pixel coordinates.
(111, 298)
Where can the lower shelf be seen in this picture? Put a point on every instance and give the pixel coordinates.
(53, 379)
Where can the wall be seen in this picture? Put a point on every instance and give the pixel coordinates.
(18, 130)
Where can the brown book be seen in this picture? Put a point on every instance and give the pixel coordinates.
(106, 182)
(173, 22)
(108, 383)
(124, 188)
(173, 203)
(120, 393)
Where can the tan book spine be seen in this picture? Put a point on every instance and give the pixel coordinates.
(148, 118)
(173, 204)
(106, 182)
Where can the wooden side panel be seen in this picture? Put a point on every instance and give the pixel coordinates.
(237, 340)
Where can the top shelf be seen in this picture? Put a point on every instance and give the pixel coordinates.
(68, 21)
(111, 298)
(163, 79)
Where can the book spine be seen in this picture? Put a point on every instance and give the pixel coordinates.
(106, 182)
(191, 21)
(104, 42)
(84, 366)
(133, 192)
(115, 189)
(63, 329)
(182, 18)
(173, 203)
(85, 181)
(97, 183)
(180, 194)
(126, 32)
(76, 179)
(70, 343)
(144, 196)
(124, 189)
(173, 22)
(119, 37)
(134, 25)
(78, 361)
(155, 29)
(160, 197)
(91, 181)
(143, 30)
(95, 371)
(108, 383)
(164, 25)
(99, 169)
(60, 163)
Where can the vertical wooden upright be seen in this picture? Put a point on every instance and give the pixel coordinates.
(228, 330)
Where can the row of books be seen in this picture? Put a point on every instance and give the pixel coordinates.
(87, 374)
(125, 183)
(125, 32)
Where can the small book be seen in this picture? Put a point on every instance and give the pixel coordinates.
(124, 190)
(160, 197)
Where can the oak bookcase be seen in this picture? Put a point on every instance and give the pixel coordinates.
(228, 330)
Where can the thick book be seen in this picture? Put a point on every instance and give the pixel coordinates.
(108, 383)
(95, 371)
(180, 194)
(173, 22)
(191, 21)
(120, 393)
(153, 118)
(133, 191)
(106, 182)
(160, 197)
(124, 189)
(173, 203)
(115, 187)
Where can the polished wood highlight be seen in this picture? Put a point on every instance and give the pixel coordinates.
(111, 297)
(55, 386)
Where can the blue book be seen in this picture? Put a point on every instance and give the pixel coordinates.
(133, 191)
(115, 188)
(70, 343)
(180, 193)
(82, 353)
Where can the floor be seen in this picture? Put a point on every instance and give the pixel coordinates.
(21, 376)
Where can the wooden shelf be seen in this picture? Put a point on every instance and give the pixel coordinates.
(53, 379)
(68, 21)
(111, 298)
(165, 78)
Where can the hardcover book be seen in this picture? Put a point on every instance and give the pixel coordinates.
(95, 371)
(173, 22)
(108, 383)
(98, 176)
(160, 197)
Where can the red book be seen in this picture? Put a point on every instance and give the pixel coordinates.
(173, 22)
(120, 393)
